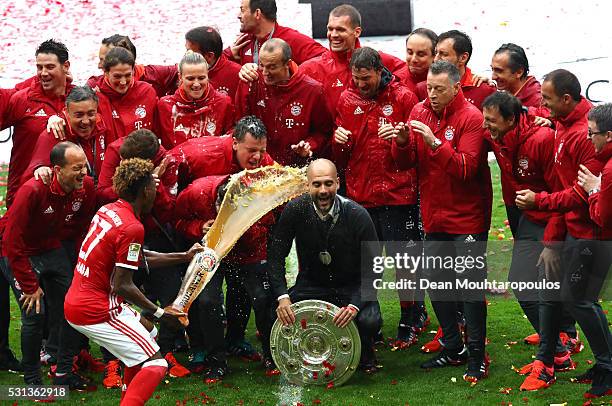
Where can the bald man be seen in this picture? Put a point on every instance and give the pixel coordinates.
(329, 231)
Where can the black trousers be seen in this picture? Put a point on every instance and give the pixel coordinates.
(400, 224)
(528, 246)
(161, 286)
(54, 273)
(5, 317)
(446, 301)
(368, 320)
(237, 305)
(209, 335)
(585, 266)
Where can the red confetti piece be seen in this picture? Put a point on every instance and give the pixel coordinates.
(393, 382)
(315, 375)
(330, 385)
(316, 402)
(589, 361)
(303, 323)
(156, 396)
(526, 400)
(505, 390)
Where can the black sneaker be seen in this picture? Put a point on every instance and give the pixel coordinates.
(379, 338)
(602, 384)
(73, 381)
(478, 368)
(446, 358)
(9, 363)
(406, 337)
(421, 319)
(586, 377)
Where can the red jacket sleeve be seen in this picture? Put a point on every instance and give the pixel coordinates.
(13, 243)
(572, 197)
(5, 96)
(463, 162)
(162, 125)
(555, 230)
(105, 193)
(41, 155)
(342, 152)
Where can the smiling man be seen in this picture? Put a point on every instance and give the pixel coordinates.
(290, 104)
(367, 114)
(329, 231)
(83, 127)
(29, 109)
(33, 258)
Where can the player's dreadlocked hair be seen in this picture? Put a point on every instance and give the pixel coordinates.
(131, 176)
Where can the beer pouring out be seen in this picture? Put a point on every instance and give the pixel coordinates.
(250, 195)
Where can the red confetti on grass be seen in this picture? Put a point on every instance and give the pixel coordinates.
(526, 400)
(505, 390)
(589, 361)
(316, 402)
(156, 396)
(393, 382)
(330, 385)
(315, 375)
(303, 323)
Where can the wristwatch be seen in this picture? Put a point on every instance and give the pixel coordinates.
(436, 144)
(593, 191)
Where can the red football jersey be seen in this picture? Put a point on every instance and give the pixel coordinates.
(115, 238)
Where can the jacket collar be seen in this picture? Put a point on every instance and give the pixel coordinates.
(579, 113)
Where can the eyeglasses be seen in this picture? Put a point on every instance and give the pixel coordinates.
(591, 133)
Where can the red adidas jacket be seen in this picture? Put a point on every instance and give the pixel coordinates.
(530, 94)
(104, 192)
(179, 119)
(5, 96)
(40, 218)
(473, 94)
(124, 113)
(291, 112)
(198, 157)
(196, 205)
(572, 148)
(600, 204)
(224, 76)
(410, 80)
(94, 148)
(302, 46)
(373, 178)
(332, 70)
(525, 158)
(28, 111)
(454, 181)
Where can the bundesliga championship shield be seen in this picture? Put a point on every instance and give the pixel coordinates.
(314, 351)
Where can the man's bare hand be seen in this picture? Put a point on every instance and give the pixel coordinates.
(56, 124)
(551, 261)
(423, 129)
(542, 122)
(587, 180)
(478, 80)
(174, 318)
(248, 72)
(43, 173)
(525, 199)
(159, 170)
(402, 134)
(302, 148)
(386, 132)
(195, 248)
(240, 43)
(341, 135)
(344, 316)
(32, 300)
(284, 312)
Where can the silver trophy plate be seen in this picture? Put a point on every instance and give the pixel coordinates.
(314, 351)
